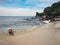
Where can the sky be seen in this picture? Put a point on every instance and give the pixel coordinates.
(23, 7)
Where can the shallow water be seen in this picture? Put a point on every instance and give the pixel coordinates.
(17, 22)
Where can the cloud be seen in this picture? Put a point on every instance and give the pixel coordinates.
(47, 1)
(23, 7)
(9, 11)
(41, 4)
(28, 3)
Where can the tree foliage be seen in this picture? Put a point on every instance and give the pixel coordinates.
(53, 10)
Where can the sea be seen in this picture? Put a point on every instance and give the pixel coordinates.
(17, 22)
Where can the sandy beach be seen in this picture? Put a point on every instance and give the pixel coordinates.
(49, 34)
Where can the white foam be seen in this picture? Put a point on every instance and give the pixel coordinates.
(47, 21)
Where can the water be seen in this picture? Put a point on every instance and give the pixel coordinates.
(16, 22)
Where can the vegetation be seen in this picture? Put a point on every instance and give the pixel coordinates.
(52, 11)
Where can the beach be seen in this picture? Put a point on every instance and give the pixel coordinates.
(19, 24)
(49, 34)
(19, 31)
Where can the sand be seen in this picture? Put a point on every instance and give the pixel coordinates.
(48, 34)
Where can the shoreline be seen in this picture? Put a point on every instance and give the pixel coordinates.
(41, 35)
(20, 32)
(48, 34)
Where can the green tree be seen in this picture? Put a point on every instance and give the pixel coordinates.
(47, 10)
(52, 11)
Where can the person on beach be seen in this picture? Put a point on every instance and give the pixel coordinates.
(10, 31)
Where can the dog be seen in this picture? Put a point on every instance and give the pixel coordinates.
(10, 31)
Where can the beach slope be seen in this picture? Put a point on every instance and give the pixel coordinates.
(45, 35)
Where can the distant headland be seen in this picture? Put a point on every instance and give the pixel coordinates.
(50, 13)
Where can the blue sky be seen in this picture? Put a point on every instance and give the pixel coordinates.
(23, 7)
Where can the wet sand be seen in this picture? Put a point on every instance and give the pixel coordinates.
(48, 34)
